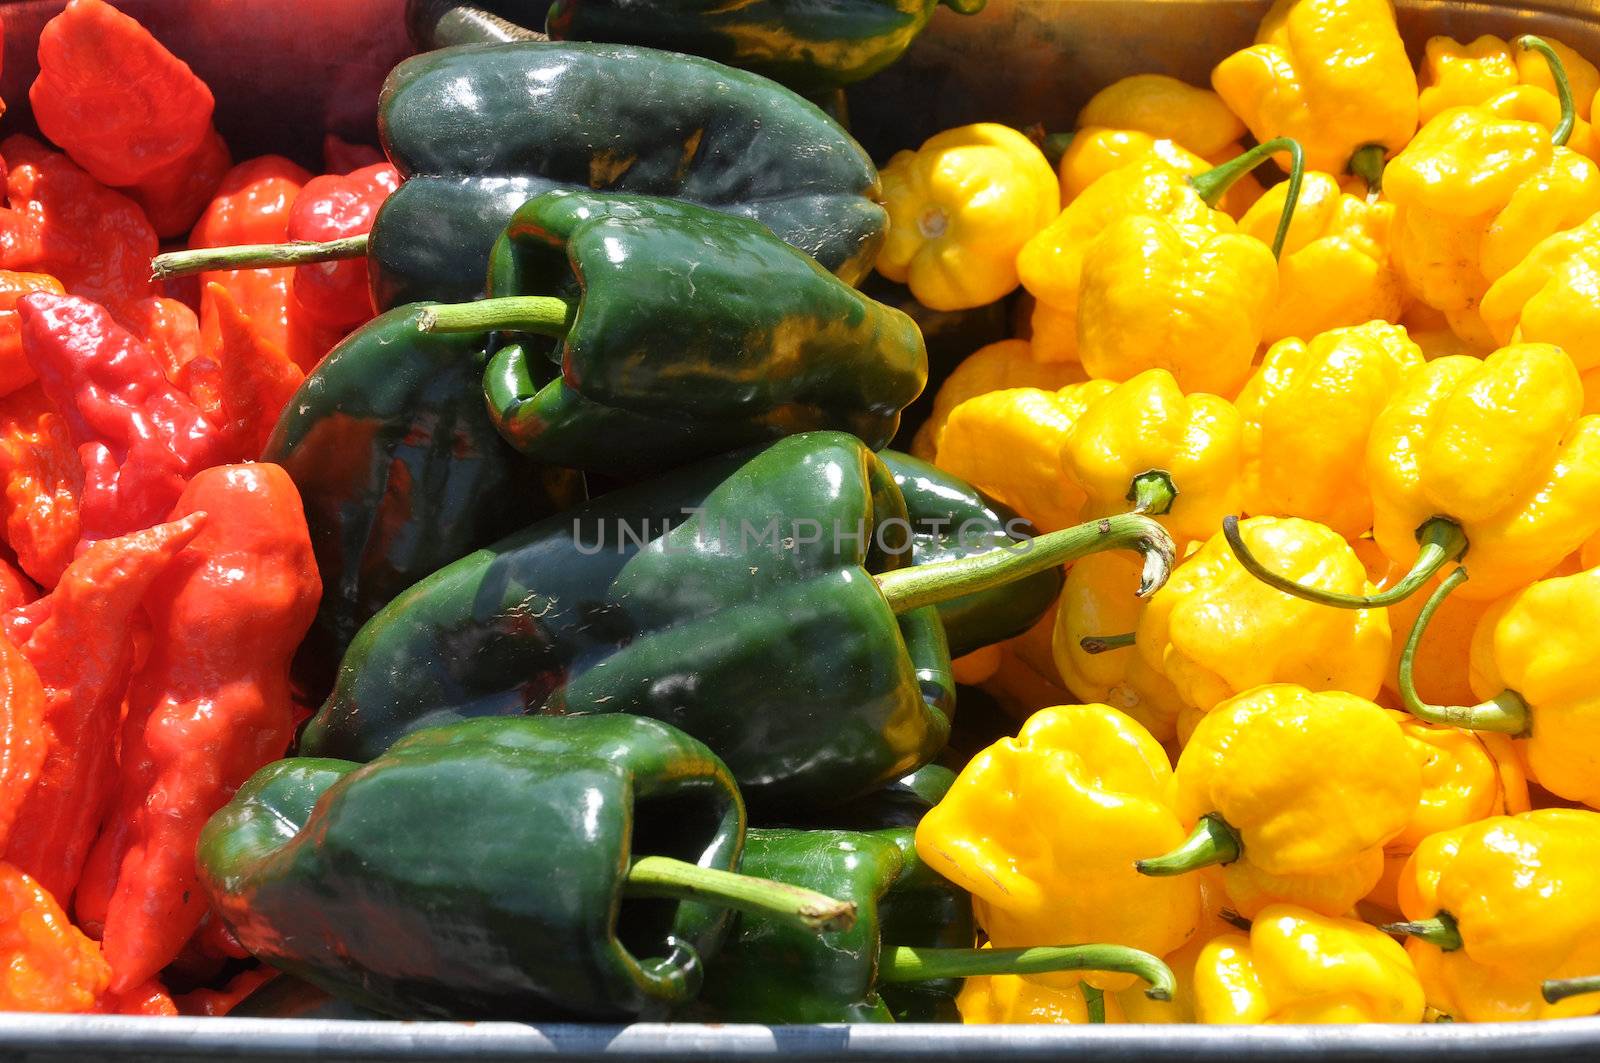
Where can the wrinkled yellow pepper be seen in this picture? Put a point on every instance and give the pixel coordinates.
(1008, 444)
(1043, 830)
(1216, 918)
(1499, 906)
(1096, 151)
(959, 208)
(1333, 74)
(1011, 998)
(1553, 296)
(995, 367)
(1295, 793)
(1167, 109)
(1216, 631)
(1297, 966)
(1465, 75)
(1307, 414)
(1335, 269)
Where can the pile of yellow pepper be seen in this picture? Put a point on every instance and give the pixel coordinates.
(1343, 766)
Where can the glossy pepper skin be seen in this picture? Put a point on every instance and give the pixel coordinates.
(42, 482)
(15, 372)
(1454, 74)
(810, 49)
(207, 709)
(1498, 446)
(995, 366)
(1297, 966)
(1166, 109)
(1333, 74)
(1069, 875)
(476, 131)
(950, 519)
(400, 470)
(303, 867)
(1336, 268)
(1267, 636)
(50, 965)
(330, 206)
(1550, 297)
(665, 357)
(1308, 412)
(1520, 892)
(1312, 785)
(960, 208)
(22, 734)
(715, 626)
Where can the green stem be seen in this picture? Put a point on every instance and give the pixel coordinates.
(1367, 164)
(1440, 931)
(1211, 842)
(1442, 541)
(1506, 713)
(544, 314)
(1055, 145)
(1095, 644)
(939, 581)
(1094, 1000)
(1153, 493)
(255, 256)
(1555, 990)
(1214, 183)
(912, 964)
(1558, 71)
(662, 876)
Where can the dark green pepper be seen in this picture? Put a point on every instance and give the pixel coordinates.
(909, 931)
(400, 471)
(504, 868)
(682, 332)
(812, 47)
(770, 615)
(951, 519)
(902, 803)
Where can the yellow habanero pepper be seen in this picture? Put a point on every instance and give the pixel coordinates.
(1043, 830)
(1535, 660)
(1491, 455)
(1465, 75)
(1051, 264)
(1297, 966)
(959, 208)
(1333, 74)
(1012, 998)
(1477, 189)
(1553, 296)
(1307, 414)
(1215, 631)
(1335, 269)
(1496, 908)
(995, 367)
(1167, 109)
(1008, 444)
(1295, 793)
(1096, 151)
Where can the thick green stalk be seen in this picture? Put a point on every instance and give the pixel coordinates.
(909, 964)
(1153, 493)
(546, 315)
(1440, 931)
(1555, 990)
(1505, 713)
(1214, 183)
(1558, 72)
(1442, 541)
(1095, 644)
(1211, 842)
(1367, 164)
(252, 256)
(1094, 1001)
(662, 876)
(919, 585)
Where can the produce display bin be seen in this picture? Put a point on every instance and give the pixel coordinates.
(286, 71)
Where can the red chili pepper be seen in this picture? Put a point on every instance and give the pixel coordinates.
(209, 707)
(256, 378)
(78, 639)
(49, 964)
(15, 372)
(171, 331)
(41, 482)
(139, 438)
(16, 589)
(174, 197)
(22, 735)
(150, 999)
(109, 93)
(215, 1003)
(336, 294)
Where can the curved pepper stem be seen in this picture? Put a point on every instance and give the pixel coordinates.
(546, 315)
(1214, 183)
(939, 581)
(1440, 931)
(1367, 164)
(1211, 842)
(1555, 990)
(1097, 644)
(662, 876)
(251, 256)
(1558, 72)
(909, 964)
(1442, 541)
(445, 23)
(1506, 713)
(1094, 1002)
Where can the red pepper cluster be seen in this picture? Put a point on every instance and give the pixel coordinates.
(155, 580)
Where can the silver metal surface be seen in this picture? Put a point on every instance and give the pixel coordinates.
(285, 70)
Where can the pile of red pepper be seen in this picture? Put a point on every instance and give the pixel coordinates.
(155, 580)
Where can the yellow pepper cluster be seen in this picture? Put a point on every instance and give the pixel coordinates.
(1344, 766)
